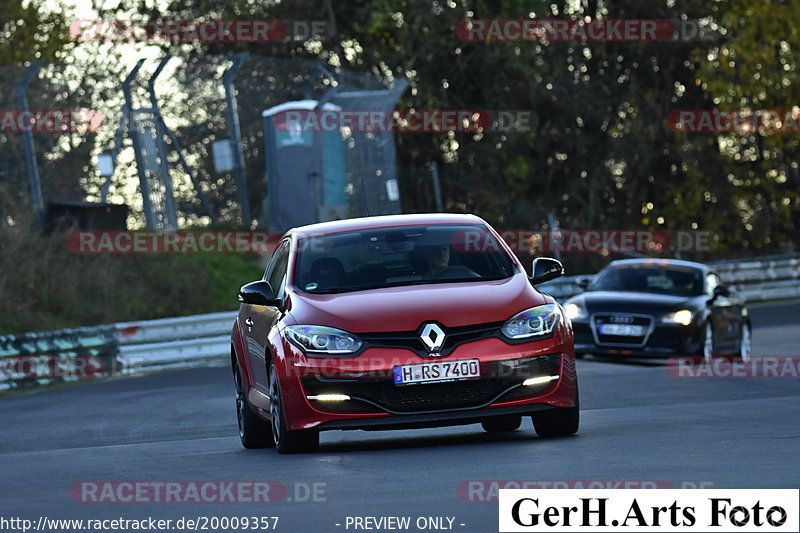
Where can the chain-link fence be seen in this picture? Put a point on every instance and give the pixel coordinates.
(147, 141)
(53, 120)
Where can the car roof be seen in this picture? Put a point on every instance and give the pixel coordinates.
(660, 262)
(365, 223)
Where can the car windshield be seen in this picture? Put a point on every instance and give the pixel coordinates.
(673, 280)
(388, 257)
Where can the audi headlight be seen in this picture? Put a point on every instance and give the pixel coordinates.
(683, 317)
(319, 341)
(534, 322)
(574, 311)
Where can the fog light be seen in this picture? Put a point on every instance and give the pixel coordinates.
(540, 380)
(329, 397)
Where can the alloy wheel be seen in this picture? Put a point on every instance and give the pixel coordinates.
(240, 406)
(275, 406)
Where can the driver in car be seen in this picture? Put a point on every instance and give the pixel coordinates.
(437, 259)
(435, 263)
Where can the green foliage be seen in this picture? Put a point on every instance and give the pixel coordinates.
(599, 154)
(30, 32)
(755, 67)
(46, 286)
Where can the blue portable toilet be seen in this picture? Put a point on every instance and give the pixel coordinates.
(305, 169)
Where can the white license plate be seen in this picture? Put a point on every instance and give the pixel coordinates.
(623, 330)
(437, 371)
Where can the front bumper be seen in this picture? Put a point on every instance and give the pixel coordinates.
(377, 403)
(663, 340)
(376, 392)
(446, 418)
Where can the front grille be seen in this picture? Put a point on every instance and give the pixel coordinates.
(411, 340)
(436, 396)
(380, 392)
(599, 320)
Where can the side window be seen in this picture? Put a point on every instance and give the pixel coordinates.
(712, 280)
(271, 262)
(276, 272)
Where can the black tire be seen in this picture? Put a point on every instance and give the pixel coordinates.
(502, 424)
(579, 355)
(284, 439)
(557, 422)
(254, 432)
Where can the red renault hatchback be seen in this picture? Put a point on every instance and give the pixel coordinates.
(401, 321)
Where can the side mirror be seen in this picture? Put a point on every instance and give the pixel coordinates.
(545, 269)
(583, 283)
(258, 293)
(722, 290)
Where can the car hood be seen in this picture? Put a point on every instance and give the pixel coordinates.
(633, 302)
(406, 308)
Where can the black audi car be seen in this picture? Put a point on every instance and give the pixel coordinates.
(659, 308)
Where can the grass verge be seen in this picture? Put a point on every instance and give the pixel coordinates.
(45, 286)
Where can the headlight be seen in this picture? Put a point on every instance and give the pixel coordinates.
(533, 322)
(683, 317)
(574, 311)
(321, 340)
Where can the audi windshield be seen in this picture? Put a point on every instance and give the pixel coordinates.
(653, 279)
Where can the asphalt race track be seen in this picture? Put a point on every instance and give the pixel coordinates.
(638, 423)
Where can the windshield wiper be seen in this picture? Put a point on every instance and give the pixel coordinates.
(435, 281)
(334, 290)
(338, 290)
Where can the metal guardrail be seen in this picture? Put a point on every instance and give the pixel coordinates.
(763, 280)
(134, 347)
(64, 355)
(757, 280)
(68, 355)
(172, 342)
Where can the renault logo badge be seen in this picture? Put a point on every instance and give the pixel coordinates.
(432, 337)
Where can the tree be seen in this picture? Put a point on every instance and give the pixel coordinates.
(29, 33)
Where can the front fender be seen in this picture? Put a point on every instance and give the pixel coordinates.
(239, 343)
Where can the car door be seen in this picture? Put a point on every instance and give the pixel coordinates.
(722, 314)
(258, 320)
